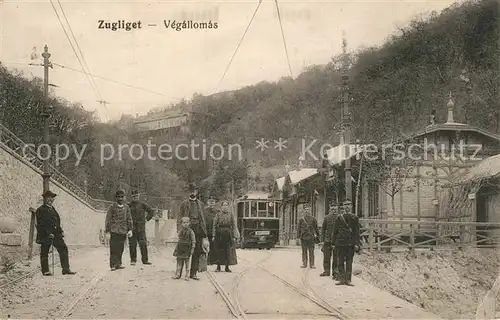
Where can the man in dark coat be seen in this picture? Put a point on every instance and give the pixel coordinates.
(193, 208)
(210, 212)
(347, 241)
(141, 213)
(308, 233)
(50, 233)
(118, 227)
(329, 253)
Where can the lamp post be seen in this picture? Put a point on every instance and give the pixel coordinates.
(346, 120)
(46, 115)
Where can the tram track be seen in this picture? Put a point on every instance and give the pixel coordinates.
(235, 306)
(315, 295)
(81, 294)
(306, 292)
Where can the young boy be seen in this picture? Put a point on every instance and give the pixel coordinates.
(184, 249)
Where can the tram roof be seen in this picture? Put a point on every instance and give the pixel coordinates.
(256, 195)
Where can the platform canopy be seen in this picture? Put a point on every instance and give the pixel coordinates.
(488, 168)
(299, 175)
(338, 154)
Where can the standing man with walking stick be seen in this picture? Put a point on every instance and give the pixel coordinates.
(50, 234)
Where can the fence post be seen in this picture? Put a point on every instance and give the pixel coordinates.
(462, 237)
(412, 239)
(32, 233)
(370, 236)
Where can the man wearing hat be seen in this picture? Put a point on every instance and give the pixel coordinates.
(193, 208)
(140, 214)
(118, 227)
(49, 233)
(347, 241)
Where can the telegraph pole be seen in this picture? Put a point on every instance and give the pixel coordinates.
(46, 115)
(346, 119)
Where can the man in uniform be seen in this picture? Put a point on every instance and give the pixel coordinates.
(193, 208)
(308, 234)
(347, 241)
(118, 227)
(140, 214)
(329, 253)
(210, 212)
(50, 233)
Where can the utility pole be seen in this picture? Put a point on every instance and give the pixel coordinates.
(46, 115)
(346, 119)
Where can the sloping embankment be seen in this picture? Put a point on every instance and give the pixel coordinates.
(449, 284)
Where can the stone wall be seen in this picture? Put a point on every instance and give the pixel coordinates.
(21, 188)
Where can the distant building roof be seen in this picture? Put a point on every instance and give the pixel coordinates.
(165, 114)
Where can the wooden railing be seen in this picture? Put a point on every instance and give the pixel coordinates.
(414, 234)
(10, 141)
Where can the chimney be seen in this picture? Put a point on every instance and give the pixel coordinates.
(450, 110)
(341, 138)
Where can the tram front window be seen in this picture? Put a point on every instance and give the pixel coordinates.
(253, 211)
(270, 210)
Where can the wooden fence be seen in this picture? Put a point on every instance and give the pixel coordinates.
(414, 234)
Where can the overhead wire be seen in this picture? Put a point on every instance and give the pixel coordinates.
(110, 80)
(79, 49)
(93, 75)
(96, 92)
(238, 46)
(283, 37)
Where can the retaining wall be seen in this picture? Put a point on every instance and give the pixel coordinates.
(21, 188)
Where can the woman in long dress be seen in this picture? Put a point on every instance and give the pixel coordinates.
(225, 234)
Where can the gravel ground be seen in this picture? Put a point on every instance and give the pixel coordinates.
(447, 283)
(359, 302)
(41, 297)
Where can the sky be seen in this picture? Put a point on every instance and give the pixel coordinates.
(141, 69)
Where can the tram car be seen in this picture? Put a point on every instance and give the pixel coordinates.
(258, 220)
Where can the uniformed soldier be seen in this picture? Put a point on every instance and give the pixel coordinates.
(118, 227)
(210, 212)
(193, 208)
(50, 233)
(329, 253)
(141, 213)
(308, 233)
(347, 241)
